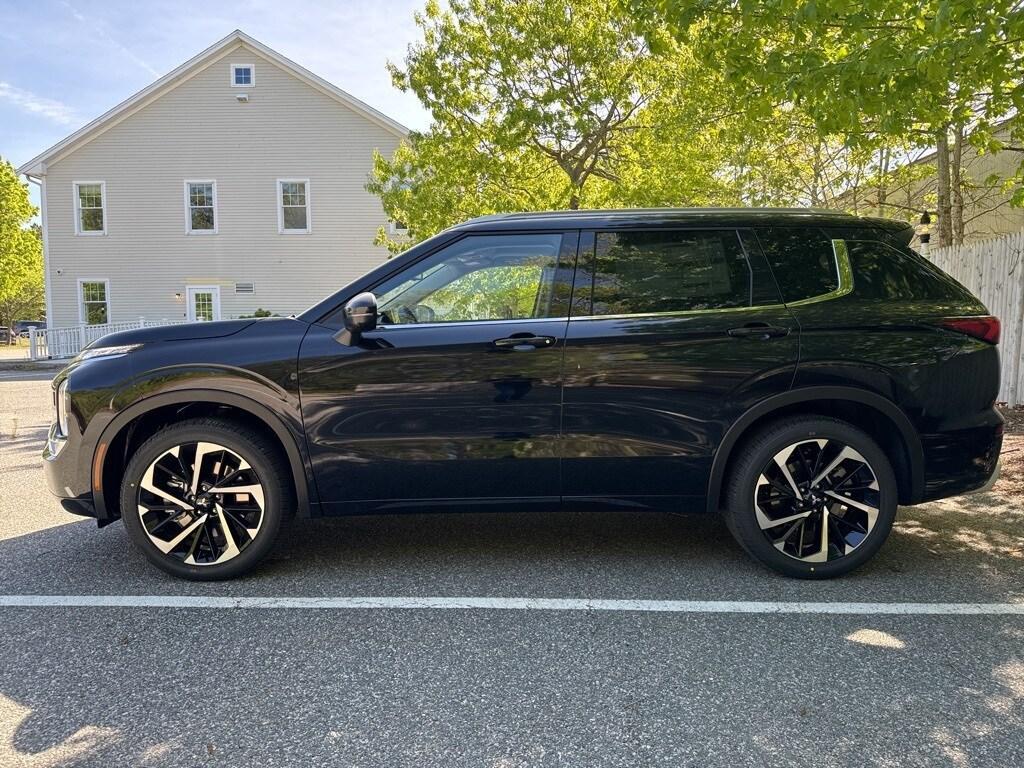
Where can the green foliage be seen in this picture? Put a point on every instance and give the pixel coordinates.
(549, 104)
(542, 104)
(260, 312)
(878, 73)
(21, 251)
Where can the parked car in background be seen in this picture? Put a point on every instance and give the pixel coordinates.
(21, 327)
(800, 372)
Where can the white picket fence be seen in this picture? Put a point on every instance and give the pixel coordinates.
(993, 270)
(67, 342)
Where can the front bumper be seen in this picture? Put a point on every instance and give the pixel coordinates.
(66, 478)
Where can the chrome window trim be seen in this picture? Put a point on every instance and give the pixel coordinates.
(677, 313)
(843, 269)
(461, 323)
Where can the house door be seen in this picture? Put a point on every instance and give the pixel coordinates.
(203, 303)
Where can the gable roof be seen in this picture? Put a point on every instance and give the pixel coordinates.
(37, 165)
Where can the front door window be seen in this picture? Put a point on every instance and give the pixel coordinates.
(482, 277)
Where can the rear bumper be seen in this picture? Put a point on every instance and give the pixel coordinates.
(961, 461)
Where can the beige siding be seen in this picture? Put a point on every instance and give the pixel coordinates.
(200, 131)
(987, 209)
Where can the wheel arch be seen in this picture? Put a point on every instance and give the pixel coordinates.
(119, 432)
(882, 419)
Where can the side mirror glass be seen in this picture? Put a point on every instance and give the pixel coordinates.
(360, 315)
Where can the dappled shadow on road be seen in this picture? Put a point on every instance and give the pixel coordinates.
(421, 688)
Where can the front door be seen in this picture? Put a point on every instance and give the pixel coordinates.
(203, 303)
(673, 335)
(457, 394)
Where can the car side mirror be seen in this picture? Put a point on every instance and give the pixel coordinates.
(360, 316)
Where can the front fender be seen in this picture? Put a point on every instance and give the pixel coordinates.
(273, 406)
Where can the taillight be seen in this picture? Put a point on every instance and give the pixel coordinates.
(984, 328)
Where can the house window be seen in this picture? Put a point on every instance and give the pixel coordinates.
(398, 227)
(94, 301)
(201, 207)
(293, 206)
(90, 208)
(243, 75)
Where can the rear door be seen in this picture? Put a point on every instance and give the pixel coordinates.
(673, 334)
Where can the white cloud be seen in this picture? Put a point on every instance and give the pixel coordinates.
(28, 102)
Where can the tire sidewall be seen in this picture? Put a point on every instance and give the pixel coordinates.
(236, 441)
(742, 521)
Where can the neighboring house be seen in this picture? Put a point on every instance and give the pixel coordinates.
(987, 209)
(232, 183)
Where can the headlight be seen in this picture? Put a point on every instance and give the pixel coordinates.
(90, 353)
(61, 403)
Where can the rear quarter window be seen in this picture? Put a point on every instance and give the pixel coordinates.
(883, 272)
(802, 260)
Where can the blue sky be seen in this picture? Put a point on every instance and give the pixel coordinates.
(64, 63)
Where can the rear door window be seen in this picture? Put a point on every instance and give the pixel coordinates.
(802, 259)
(655, 271)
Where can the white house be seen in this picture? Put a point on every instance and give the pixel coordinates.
(233, 183)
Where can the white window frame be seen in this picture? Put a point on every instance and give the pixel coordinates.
(77, 205)
(394, 229)
(190, 307)
(83, 317)
(252, 75)
(280, 208)
(188, 208)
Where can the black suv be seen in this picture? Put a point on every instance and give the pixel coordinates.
(801, 372)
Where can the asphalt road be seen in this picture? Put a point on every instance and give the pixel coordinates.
(112, 686)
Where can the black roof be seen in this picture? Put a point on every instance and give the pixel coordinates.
(646, 217)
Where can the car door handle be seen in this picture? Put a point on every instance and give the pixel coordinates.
(758, 330)
(524, 342)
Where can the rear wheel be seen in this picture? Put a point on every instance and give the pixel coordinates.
(814, 497)
(204, 499)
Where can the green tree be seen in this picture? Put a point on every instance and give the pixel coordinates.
(876, 72)
(542, 104)
(21, 251)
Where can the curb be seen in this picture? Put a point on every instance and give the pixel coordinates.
(32, 365)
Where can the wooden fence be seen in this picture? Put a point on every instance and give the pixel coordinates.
(993, 270)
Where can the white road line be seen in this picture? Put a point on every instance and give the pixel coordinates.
(507, 604)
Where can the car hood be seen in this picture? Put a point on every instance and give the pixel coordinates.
(186, 332)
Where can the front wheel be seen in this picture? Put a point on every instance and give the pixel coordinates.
(204, 499)
(813, 497)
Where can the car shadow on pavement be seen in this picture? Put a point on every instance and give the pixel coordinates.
(970, 552)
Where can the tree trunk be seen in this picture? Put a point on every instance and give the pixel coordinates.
(956, 208)
(943, 214)
(574, 200)
(883, 175)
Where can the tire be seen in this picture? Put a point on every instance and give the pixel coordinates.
(229, 456)
(772, 480)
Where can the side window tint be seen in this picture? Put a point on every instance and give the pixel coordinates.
(482, 277)
(802, 260)
(667, 271)
(883, 272)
